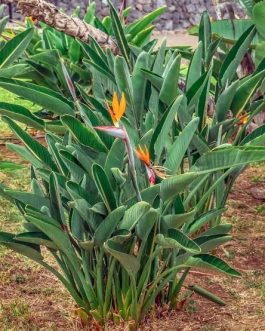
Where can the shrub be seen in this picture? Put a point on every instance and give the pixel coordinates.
(128, 197)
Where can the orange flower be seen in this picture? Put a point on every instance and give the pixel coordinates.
(143, 155)
(243, 119)
(117, 109)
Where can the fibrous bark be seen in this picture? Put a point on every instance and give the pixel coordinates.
(48, 13)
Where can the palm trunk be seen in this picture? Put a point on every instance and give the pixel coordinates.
(49, 14)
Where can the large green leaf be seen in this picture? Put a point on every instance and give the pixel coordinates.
(195, 67)
(235, 56)
(205, 35)
(206, 294)
(128, 261)
(204, 219)
(28, 250)
(174, 185)
(175, 221)
(14, 48)
(10, 166)
(104, 187)
(209, 243)
(245, 91)
(177, 151)
(143, 22)
(139, 83)
(227, 158)
(85, 135)
(30, 199)
(124, 82)
(37, 238)
(163, 129)
(42, 96)
(224, 101)
(133, 215)
(115, 159)
(37, 149)
(108, 225)
(169, 89)
(258, 15)
(177, 239)
(21, 114)
(119, 33)
(211, 262)
(25, 154)
(146, 223)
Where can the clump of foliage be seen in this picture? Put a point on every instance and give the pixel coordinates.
(128, 197)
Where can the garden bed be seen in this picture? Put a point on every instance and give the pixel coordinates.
(25, 305)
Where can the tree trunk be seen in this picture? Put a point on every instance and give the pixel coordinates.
(48, 13)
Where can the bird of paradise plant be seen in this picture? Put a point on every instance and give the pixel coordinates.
(123, 235)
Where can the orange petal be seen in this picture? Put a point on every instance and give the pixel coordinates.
(122, 106)
(115, 104)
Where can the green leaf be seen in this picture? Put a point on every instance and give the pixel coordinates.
(27, 198)
(169, 89)
(25, 154)
(177, 151)
(108, 226)
(175, 221)
(258, 15)
(124, 82)
(16, 70)
(115, 159)
(133, 215)
(42, 96)
(85, 135)
(211, 262)
(99, 68)
(95, 57)
(206, 294)
(21, 114)
(10, 166)
(223, 104)
(227, 158)
(37, 238)
(104, 187)
(29, 250)
(205, 34)
(245, 91)
(174, 185)
(250, 139)
(204, 219)
(39, 151)
(57, 211)
(14, 48)
(139, 83)
(119, 33)
(3, 23)
(195, 67)
(142, 23)
(163, 129)
(128, 261)
(177, 239)
(235, 56)
(209, 243)
(146, 223)
(155, 79)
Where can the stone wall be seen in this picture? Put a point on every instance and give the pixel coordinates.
(180, 14)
